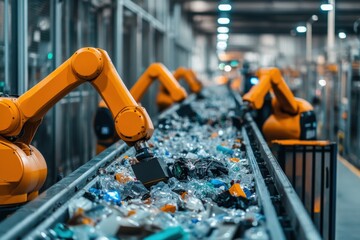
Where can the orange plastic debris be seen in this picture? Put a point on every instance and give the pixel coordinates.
(237, 191)
(80, 218)
(183, 195)
(214, 135)
(234, 160)
(121, 178)
(131, 212)
(168, 208)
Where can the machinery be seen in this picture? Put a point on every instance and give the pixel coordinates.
(23, 169)
(104, 125)
(164, 99)
(291, 118)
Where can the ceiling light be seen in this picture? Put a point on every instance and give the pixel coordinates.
(227, 68)
(301, 29)
(326, 6)
(322, 82)
(221, 45)
(222, 36)
(314, 18)
(223, 20)
(223, 29)
(342, 35)
(224, 7)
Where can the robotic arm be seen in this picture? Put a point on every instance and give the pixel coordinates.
(164, 100)
(292, 118)
(189, 76)
(22, 167)
(168, 82)
(104, 126)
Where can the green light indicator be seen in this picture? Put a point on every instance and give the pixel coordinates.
(221, 66)
(50, 55)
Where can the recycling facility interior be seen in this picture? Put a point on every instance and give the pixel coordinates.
(317, 51)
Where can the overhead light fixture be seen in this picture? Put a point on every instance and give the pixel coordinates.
(314, 18)
(342, 35)
(223, 29)
(301, 29)
(223, 20)
(224, 7)
(223, 36)
(221, 45)
(326, 6)
(227, 68)
(322, 82)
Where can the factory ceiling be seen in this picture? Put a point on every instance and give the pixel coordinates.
(271, 16)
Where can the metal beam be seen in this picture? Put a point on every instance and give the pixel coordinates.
(118, 36)
(6, 46)
(22, 27)
(143, 14)
(268, 30)
(257, 1)
(274, 12)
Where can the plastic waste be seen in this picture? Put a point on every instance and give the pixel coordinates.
(211, 194)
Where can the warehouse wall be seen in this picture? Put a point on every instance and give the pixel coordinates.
(37, 36)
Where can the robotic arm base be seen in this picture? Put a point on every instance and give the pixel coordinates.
(22, 174)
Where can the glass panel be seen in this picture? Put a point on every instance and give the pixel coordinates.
(40, 49)
(142, 3)
(40, 65)
(66, 138)
(129, 49)
(75, 140)
(355, 109)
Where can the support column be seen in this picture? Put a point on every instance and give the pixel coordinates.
(22, 28)
(310, 84)
(331, 34)
(56, 27)
(119, 42)
(308, 42)
(7, 82)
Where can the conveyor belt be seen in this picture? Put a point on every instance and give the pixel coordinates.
(285, 216)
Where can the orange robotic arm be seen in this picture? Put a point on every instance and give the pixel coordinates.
(292, 118)
(168, 82)
(164, 100)
(103, 124)
(271, 79)
(189, 76)
(23, 169)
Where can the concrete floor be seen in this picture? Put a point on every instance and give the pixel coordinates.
(348, 201)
